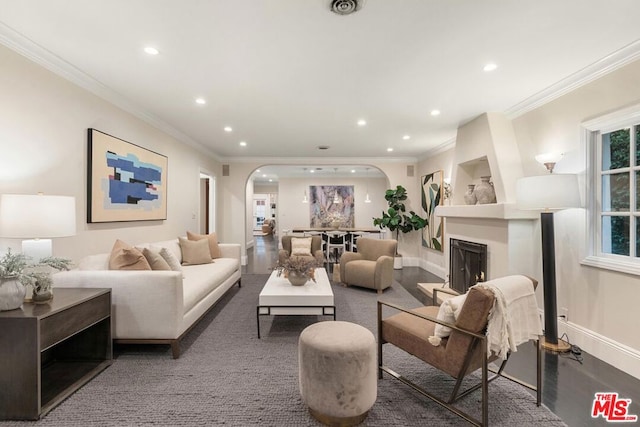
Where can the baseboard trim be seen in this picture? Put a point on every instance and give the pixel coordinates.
(612, 352)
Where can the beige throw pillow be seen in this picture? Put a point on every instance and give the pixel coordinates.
(212, 238)
(125, 257)
(301, 246)
(194, 251)
(155, 260)
(169, 257)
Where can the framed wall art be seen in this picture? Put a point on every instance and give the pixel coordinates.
(331, 206)
(432, 196)
(125, 181)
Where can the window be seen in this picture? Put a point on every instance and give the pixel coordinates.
(613, 191)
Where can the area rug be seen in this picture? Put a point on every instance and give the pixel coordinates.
(227, 376)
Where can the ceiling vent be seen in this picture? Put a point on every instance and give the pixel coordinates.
(346, 7)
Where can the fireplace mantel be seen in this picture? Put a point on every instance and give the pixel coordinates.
(506, 211)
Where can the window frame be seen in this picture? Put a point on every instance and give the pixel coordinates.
(592, 132)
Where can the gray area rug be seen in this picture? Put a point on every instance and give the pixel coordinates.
(227, 376)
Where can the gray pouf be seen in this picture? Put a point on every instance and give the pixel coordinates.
(337, 371)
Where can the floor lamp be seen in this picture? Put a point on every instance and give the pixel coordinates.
(549, 193)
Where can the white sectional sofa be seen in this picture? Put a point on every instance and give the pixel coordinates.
(157, 307)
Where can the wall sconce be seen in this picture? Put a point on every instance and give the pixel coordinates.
(549, 160)
(366, 178)
(38, 218)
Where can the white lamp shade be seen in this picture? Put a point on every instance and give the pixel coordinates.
(25, 216)
(552, 191)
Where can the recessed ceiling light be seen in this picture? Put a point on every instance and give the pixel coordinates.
(243, 143)
(201, 101)
(270, 180)
(257, 170)
(312, 171)
(435, 112)
(264, 175)
(405, 137)
(490, 67)
(353, 171)
(362, 122)
(389, 149)
(228, 129)
(151, 50)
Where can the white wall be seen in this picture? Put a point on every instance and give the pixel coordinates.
(601, 303)
(43, 127)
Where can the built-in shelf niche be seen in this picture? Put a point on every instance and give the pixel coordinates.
(468, 173)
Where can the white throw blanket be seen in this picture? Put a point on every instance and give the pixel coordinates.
(514, 318)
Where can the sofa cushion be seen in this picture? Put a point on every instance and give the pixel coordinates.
(194, 251)
(212, 239)
(200, 280)
(126, 257)
(301, 246)
(155, 260)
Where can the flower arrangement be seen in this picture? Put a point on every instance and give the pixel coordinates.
(304, 266)
(37, 275)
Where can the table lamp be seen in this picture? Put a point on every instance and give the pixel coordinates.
(549, 193)
(38, 218)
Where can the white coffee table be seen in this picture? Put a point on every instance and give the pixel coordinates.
(279, 297)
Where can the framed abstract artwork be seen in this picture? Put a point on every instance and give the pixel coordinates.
(331, 206)
(432, 196)
(125, 181)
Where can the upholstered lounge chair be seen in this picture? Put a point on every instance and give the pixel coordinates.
(462, 353)
(370, 267)
(316, 249)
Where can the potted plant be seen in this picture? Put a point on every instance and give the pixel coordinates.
(395, 219)
(16, 273)
(298, 269)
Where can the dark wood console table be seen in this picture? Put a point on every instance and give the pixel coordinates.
(49, 351)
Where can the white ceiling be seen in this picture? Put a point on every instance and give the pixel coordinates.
(289, 75)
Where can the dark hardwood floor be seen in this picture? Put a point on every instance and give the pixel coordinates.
(570, 381)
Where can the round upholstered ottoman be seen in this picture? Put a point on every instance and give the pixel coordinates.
(337, 363)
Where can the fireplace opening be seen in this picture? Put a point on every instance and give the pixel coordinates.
(467, 264)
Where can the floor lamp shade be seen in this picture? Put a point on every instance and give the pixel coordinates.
(39, 217)
(547, 193)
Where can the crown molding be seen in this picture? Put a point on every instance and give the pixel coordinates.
(604, 66)
(319, 160)
(447, 145)
(41, 56)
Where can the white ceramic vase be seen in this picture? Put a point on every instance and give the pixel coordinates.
(469, 195)
(12, 293)
(484, 192)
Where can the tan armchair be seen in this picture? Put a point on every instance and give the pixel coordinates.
(461, 353)
(370, 267)
(268, 225)
(316, 249)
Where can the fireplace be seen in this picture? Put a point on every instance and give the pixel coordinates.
(467, 264)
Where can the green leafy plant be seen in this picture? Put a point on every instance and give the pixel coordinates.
(395, 219)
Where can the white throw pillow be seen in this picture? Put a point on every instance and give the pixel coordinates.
(301, 246)
(168, 256)
(449, 311)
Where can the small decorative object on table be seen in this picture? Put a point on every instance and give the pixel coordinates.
(299, 270)
(16, 274)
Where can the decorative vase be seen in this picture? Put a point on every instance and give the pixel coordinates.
(42, 298)
(335, 224)
(484, 192)
(469, 195)
(297, 279)
(12, 293)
